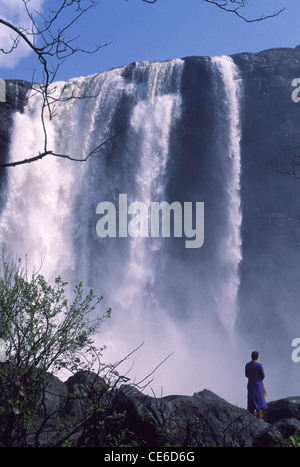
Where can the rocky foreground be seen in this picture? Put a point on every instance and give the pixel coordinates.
(201, 420)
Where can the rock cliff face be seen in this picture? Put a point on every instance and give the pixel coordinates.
(268, 273)
(15, 100)
(270, 135)
(270, 228)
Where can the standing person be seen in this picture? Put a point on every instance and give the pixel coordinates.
(256, 390)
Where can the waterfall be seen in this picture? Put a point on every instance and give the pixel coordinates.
(171, 299)
(50, 214)
(229, 136)
(152, 117)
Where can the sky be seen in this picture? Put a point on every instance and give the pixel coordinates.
(135, 31)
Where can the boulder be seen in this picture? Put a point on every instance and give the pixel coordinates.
(288, 407)
(203, 419)
(277, 434)
(55, 396)
(85, 388)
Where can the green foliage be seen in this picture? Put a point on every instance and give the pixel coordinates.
(40, 325)
(295, 439)
(47, 332)
(44, 332)
(108, 427)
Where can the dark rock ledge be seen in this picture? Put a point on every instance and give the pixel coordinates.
(201, 420)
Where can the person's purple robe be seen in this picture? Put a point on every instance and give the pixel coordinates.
(256, 392)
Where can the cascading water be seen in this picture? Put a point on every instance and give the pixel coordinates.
(229, 144)
(151, 121)
(157, 296)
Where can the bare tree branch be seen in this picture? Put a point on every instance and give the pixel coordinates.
(63, 156)
(236, 7)
(233, 6)
(50, 43)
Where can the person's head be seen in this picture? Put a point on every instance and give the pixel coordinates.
(254, 355)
